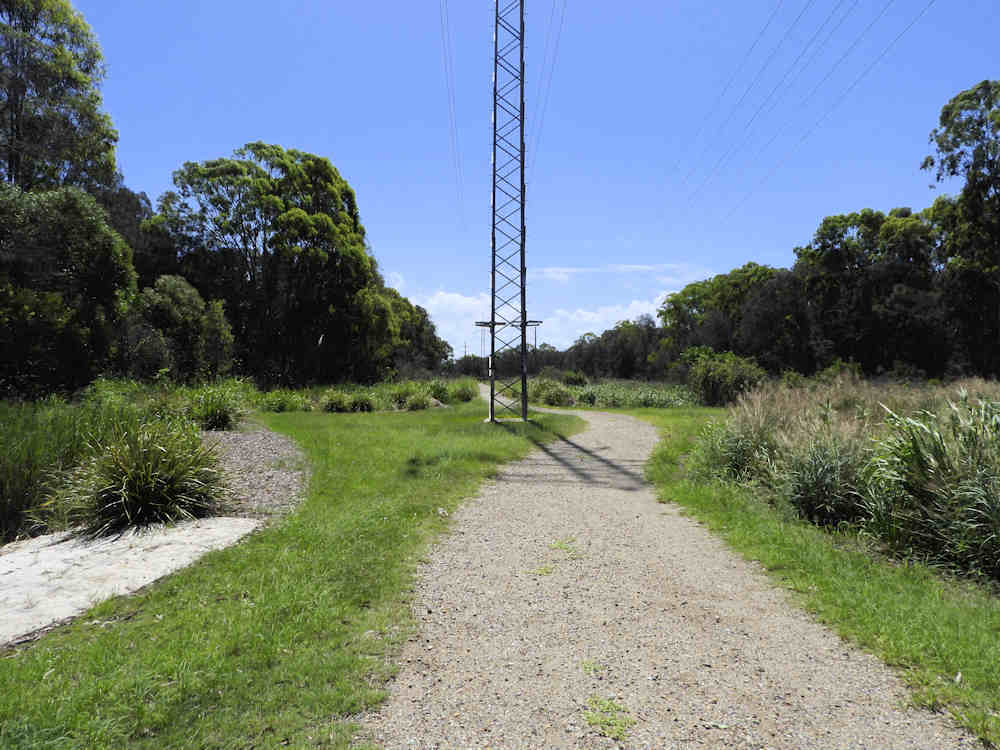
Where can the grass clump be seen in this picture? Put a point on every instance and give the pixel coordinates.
(156, 472)
(418, 401)
(284, 399)
(463, 390)
(362, 402)
(218, 406)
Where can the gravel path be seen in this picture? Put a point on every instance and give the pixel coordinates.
(565, 580)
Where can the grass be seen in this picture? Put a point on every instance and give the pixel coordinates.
(930, 626)
(280, 640)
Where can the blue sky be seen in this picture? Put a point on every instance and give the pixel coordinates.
(671, 148)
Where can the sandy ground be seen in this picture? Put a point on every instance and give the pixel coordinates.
(53, 577)
(565, 582)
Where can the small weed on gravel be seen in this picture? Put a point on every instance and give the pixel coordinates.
(609, 718)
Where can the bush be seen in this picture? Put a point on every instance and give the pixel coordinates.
(157, 473)
(549, 392)
(574, 377)
(719, 379)
(438, 389)
(361, 402)
(336, 401)
(400, 393)
(587, 396)
(418, 401)
(465, 390)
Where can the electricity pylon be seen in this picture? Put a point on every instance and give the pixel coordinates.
(508, 321)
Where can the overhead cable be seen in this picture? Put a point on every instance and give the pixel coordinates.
(833, 107)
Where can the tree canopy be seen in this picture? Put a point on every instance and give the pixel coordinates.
(52, 129)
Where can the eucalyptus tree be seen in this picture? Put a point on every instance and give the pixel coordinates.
(53, 131)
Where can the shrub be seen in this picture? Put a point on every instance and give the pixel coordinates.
(336, 401)
(549, 392)
(157, 473)
(587, 396)
(418, 401)
(465, 390)
(719, 379)
(574, 377)
(438, 389)
(361, 402)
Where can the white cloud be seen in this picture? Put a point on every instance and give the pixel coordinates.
(563, 327)
(455, 315)
(672, 272)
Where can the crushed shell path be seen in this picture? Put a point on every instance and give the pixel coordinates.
(565, 580)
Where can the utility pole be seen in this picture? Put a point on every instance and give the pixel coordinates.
(508, 321)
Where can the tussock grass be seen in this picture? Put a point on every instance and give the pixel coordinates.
(281, 639)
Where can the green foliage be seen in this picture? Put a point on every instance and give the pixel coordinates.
(170, 328)
(218, 406)
(417, 401)
(438, 389)
(362, 402)
(157, 473)
(52, 129)
(284, 399)
(66, 280)
(549, 392)
(822, 480)
(336, 401)
(934, 486)
(719, 379)
(40, 442)
(279, 230)
(463, 390)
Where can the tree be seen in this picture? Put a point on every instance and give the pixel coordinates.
(171, 329)
(967, 142)
(277, 235)
(66, 280)
(52, 129)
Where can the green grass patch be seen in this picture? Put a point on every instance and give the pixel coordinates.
(279, 640)
(933, 628)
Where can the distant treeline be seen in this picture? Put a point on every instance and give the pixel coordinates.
(256, 264)
(908, 293)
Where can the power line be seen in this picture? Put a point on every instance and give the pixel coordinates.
(736, 70)
(449, 77)
(753, 83)
(533, 152)
(805, 101)
(746, 128)
(837, 103)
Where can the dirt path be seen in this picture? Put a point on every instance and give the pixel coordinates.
(565, 580)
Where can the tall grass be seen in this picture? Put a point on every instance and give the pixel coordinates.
(612, 394)
(915, 467)
(41, 442)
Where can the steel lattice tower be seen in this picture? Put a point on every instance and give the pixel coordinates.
(508, 321)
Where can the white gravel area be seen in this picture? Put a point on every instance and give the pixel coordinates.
(565, 579)
(50, 579)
